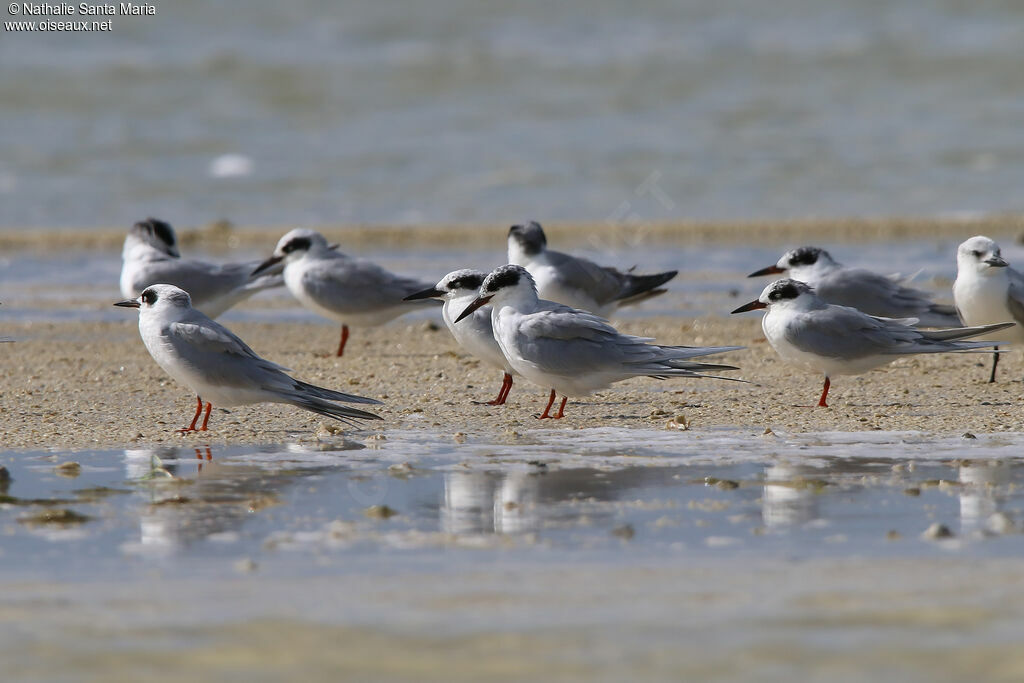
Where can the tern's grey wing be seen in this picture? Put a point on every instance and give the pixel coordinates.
(871, 293)
(567, 342)
(226, 360)
(203, 281)
(1015, 297)
(843, 332)
(563, 322)
(358, 285)
(241, 274)
(210, 337)
(604, 285)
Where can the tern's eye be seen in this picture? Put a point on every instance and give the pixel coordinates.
(296, 244)
(976, 254)
(149, 297)
(787, 291)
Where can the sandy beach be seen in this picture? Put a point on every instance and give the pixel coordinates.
(88, 385)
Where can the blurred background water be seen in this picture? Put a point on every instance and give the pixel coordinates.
(458, 110)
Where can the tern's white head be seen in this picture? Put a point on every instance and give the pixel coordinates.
(159, 298)
(298, 242)
(981, 256)
(152, 233)
(785, 294)
(458, 284)
(508, 285)
(294, 246)
(800, 262)
(526, 240)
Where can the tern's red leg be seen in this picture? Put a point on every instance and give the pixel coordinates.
(199, 409)
(551, 402)
(199, 457)
(824, 393)
(344, 338)
(506, 386)
(561, 408)
(206, 418)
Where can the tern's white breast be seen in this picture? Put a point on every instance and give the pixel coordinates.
(474, 332)
(982, 301)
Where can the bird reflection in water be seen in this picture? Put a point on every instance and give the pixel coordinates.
(518, 502)
(983, 494)
(790, 495)
(188, 496)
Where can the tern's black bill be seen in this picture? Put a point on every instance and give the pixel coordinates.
(272, 261)
(752, 306)
(770, 270)
(997, 262)
(431, 293)
(477, 303)
(130, 303)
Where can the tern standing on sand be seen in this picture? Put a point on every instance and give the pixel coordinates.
(987, 290)
(572, 351)
(351, 290)
(807, 331)
(458, 290)
(867, 291)
(575, 281)
(207, 357)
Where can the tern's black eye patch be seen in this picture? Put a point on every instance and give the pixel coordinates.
(504, 278)
(466, 282)
(296, 244)
(149, 297)
(786, 291)
(804, 256)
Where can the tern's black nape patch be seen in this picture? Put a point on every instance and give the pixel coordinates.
(469, 281)
(785, 290)
(296, 244)
(502, 278)
(162, 230)
(530, 237)
(805, 256)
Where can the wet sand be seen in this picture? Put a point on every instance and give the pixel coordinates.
(86, 385)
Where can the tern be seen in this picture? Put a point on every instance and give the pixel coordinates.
(458, 290)
(352, 291)
(867, 291)
(150, 256)
(207, 357)
(575, 281)
(987, 290)
(573, 351)
(807, 331)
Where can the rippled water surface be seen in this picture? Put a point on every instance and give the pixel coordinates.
(592, 548)
(442, 110)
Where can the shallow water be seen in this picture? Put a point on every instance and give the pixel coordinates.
(453, 110)
(563, 542)
(61, 285)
